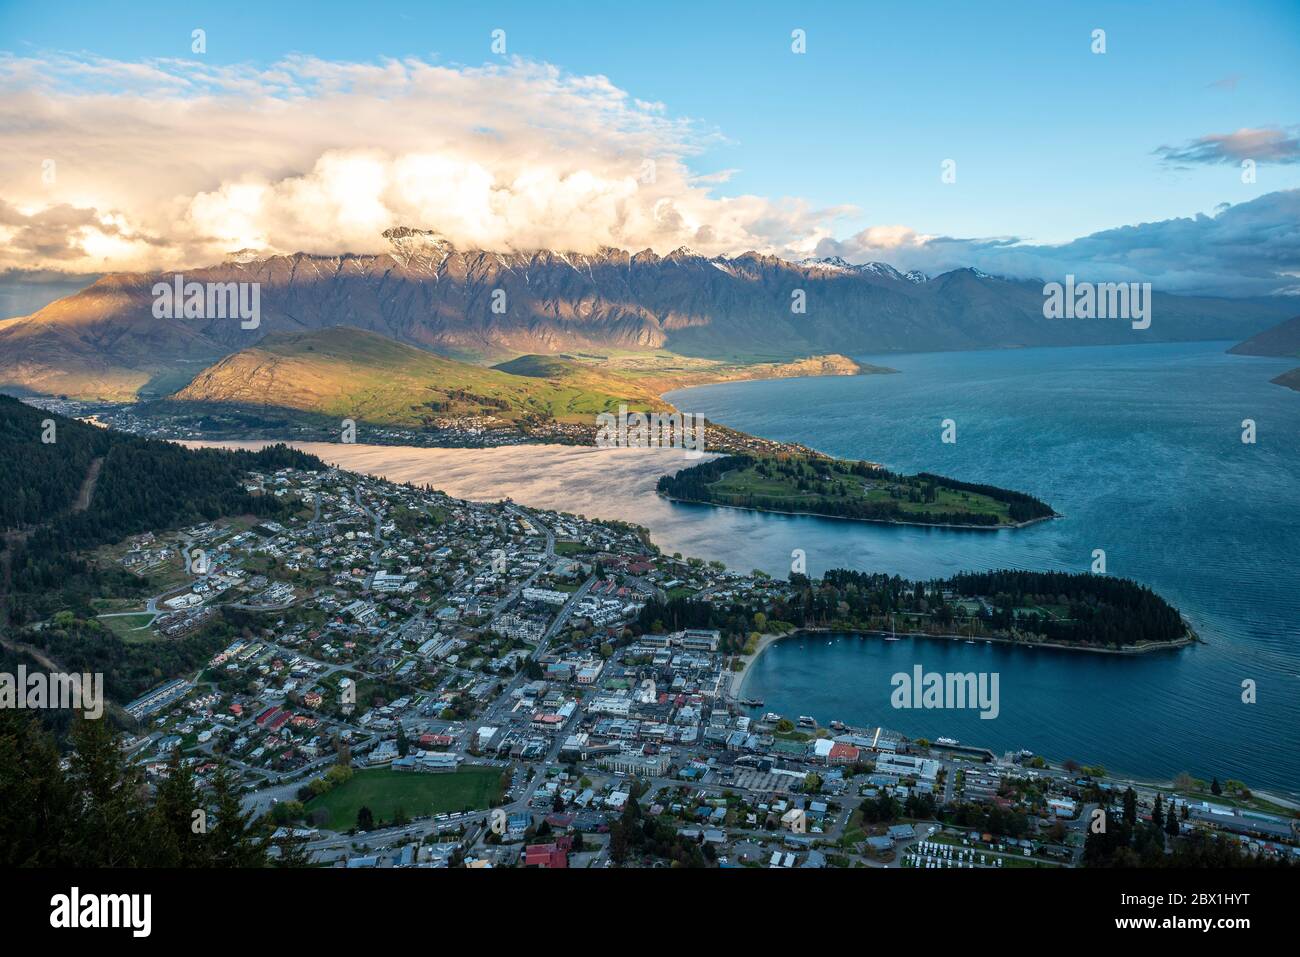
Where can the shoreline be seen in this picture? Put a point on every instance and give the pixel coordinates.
(738, 685)
(873, 521)
(826, 365)
(1283, 798)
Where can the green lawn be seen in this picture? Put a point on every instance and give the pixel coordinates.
(123, 625)
(384, 790)
(748, 481)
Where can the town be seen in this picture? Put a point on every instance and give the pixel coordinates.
(422, 681)
(173, 421)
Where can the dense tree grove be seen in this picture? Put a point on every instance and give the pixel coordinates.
(1095, 610)
(838, 496)
(39, 479)
(1128, 840)
(1102, 610)
(677, 613)
(635, 836)
(97, 811)
(129, 668)
(987, 818)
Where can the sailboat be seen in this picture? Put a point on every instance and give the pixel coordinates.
(892, 635)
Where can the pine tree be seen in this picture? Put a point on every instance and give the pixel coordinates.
(292, 852)
(1130, 810)
(39, 813)
(118, 829)
(234, 839)
(175, 805)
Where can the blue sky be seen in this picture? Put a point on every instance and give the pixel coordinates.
(1051, 141)
(885, 92)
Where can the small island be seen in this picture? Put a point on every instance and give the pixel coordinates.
(859, 491)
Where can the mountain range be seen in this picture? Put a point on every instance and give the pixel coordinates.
(105, 342)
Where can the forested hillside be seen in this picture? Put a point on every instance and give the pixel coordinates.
(39, 479)
(142, 484)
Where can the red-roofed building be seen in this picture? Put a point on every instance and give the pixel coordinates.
(552, 856)
(843, 754)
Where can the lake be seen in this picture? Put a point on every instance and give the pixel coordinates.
(1140, 449)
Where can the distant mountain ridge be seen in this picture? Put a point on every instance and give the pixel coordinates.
(1282, 341)
(105, 342)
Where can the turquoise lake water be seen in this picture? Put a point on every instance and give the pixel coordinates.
(1140, 449)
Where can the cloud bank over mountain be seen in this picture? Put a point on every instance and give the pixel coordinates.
(169, 164)
(191, 162)
(1252, 248)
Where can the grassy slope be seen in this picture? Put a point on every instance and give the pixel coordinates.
(660, 371)
(585, 380)
(750, 482)
(342, 372)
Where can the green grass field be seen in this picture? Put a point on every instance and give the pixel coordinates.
(384, 791)
(124, 625)
(748, 481)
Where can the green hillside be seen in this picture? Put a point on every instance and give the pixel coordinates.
(350, 373)
(851, 490)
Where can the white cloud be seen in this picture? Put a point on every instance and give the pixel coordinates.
(174, 163)
(191, 162)
(1266, 145)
